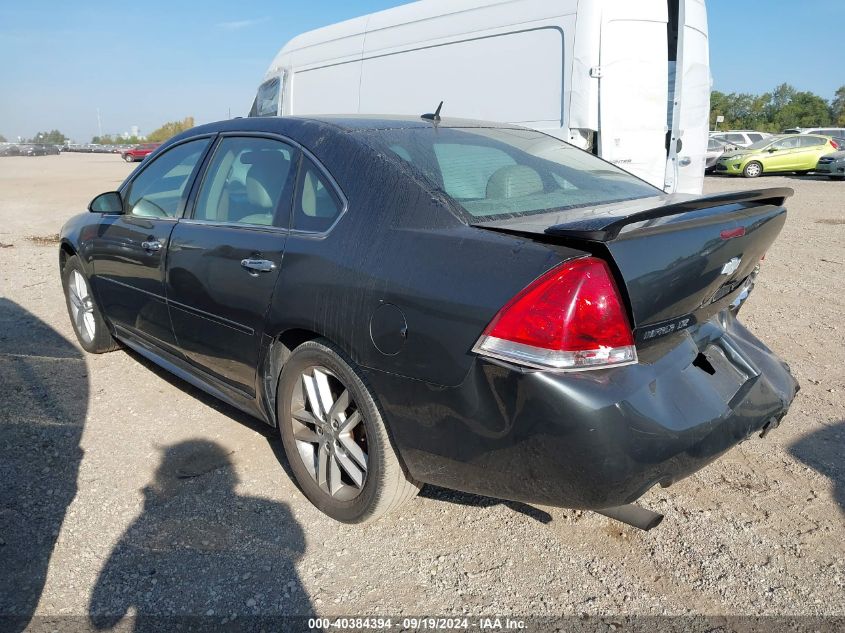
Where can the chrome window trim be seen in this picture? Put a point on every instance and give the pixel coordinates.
(268, 228)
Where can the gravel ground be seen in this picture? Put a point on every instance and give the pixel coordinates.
(126, 491)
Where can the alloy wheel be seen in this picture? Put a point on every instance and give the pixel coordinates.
(81, 306)
(330, 433)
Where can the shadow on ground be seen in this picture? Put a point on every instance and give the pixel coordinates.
(468, 499)
(822, 451)
(43, 406)
(272, 436)
(268, 432)
(200, 555)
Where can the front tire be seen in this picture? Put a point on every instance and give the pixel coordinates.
(85, 316)
(128, 159)
(753, 169)
(335, 438)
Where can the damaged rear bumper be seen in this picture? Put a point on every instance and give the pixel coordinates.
(592, 439)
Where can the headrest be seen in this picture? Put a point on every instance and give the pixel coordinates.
(514, 181)
(316, 201)
(266, 177)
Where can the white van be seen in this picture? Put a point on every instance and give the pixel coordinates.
(600, 74)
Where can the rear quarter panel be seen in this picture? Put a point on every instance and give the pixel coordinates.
(399, 244)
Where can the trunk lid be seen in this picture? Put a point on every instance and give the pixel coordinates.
(681, 259)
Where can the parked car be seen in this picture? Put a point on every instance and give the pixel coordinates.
(715, 149)
(9, 149)
(833, 165)
(28, 149)
(139, 153)
(797, 153)
(472, 305)
(46, 149)
(740, 138)
(823, 131)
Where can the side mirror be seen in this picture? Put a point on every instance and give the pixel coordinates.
(109, 202)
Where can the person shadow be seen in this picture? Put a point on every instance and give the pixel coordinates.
(43, 406)
(201, 556)
(822, 451)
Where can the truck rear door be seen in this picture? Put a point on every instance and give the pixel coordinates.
(633, 88)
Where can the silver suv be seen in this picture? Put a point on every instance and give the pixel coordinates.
(742, 138)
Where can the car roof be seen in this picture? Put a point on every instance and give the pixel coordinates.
(778, 137)
(342, 122)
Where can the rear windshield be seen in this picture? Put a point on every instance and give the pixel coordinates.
(495, 173)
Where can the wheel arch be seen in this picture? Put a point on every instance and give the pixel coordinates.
(66, 251)
(278, 350)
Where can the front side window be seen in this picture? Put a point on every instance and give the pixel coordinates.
(248, 181)
(755, 137)
(494, 173)
(157, 192)
(267, 99)
(735, 138)
(317, 205)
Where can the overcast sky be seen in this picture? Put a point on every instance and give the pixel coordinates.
(148, 62)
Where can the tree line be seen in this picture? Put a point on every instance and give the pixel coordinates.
(161, 134)
(171, 128)
(778, 110)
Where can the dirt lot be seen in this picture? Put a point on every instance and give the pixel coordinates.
(127, 491)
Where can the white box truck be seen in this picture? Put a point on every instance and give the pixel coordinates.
(627, 79)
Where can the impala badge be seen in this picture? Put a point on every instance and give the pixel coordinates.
(731, 267)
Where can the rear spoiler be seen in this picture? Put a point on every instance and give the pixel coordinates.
(598, 228)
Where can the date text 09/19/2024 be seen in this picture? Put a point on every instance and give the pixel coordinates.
(417, 624)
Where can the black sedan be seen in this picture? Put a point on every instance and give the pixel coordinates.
(466, 304)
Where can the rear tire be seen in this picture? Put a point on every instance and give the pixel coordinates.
(338, 447)
(85, 316)
(753, 169)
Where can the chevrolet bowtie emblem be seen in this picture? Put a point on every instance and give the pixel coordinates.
(731, 267)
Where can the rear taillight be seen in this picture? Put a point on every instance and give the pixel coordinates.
(572, 317)
(834, 144)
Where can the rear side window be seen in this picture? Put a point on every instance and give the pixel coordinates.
(158, 190)
(812, 141)
(246, 183)
(267, 99)
(317, 205)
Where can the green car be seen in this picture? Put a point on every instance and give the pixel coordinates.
(794, 152)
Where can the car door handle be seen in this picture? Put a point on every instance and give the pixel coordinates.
(254, 266)
(153, 245)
